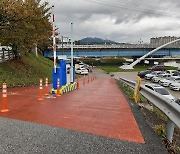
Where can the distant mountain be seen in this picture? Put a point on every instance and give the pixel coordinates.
(95, 40)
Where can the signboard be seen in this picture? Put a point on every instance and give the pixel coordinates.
(62, 57)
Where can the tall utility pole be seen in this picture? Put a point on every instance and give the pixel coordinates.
(72, 68)
(54, 40)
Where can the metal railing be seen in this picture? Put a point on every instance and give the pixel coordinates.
(5, 53)
(118, 46)
(167, 106)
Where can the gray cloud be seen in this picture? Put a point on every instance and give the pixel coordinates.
(118, 20)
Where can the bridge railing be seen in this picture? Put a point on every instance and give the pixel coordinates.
(169, 107)
(116, 46)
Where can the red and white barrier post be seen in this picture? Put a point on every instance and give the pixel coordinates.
(84, 80)
(40, 91)
(58, 87)
(77, 83)
(4, 98)
(46, 88)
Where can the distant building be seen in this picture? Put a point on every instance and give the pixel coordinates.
(158, 41)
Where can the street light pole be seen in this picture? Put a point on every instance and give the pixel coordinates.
(72, 68)
(62, 45)
(54, 41)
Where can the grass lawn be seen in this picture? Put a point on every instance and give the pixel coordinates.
(109, 69)
(117, 69)
(25, 71)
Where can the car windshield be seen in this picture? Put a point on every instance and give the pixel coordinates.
(153, 73)
(162, 91)
(160, 75)
(170, 78)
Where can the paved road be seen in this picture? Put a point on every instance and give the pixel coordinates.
(133, 76)
(87, 126)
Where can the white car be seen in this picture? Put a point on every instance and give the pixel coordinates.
(167, 81)
(159, 77)
(151, 75)
(81, 71)
(171, 71)
(159, 89)
(175, 86)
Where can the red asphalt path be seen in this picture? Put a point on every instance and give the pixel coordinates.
(97, 108)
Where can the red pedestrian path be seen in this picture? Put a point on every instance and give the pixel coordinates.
(97, 108)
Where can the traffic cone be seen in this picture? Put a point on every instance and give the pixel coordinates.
(46, 88)
(58, 87)
(77, 83)
(84, 80)
(88, 79)
(4, 98)
(40, 91)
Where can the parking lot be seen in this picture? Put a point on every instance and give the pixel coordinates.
(133, 76)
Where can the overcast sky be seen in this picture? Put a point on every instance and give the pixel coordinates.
(118, 20)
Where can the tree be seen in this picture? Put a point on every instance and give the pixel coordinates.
(24, 24)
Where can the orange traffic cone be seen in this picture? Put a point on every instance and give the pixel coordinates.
(84, 80)
(4, 98)
(40, 91)
(88, 79)
(77, 83)
(46, 88)
(58, 87)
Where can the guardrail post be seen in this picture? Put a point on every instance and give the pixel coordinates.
(170, 130)
(136, 90)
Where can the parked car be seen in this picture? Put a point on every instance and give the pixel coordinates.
(177, 73)
(159, 89)
(81, 71)
(157, 78)
(152, 74)
(157, 68)
(167, 81)
(175, 86)
(143, 73)
(89, 68)
(177, 101)
(171, 71)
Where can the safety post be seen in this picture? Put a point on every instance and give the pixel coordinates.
(58, 87)
(136, 90)
(40, 91)
(88, 79)
(84, 80)
(4, 98)
(77, 83)
(46, 88)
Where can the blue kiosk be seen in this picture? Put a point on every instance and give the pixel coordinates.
(63, 72)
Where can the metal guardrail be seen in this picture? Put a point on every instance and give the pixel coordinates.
(167, 106)
(6, 53)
